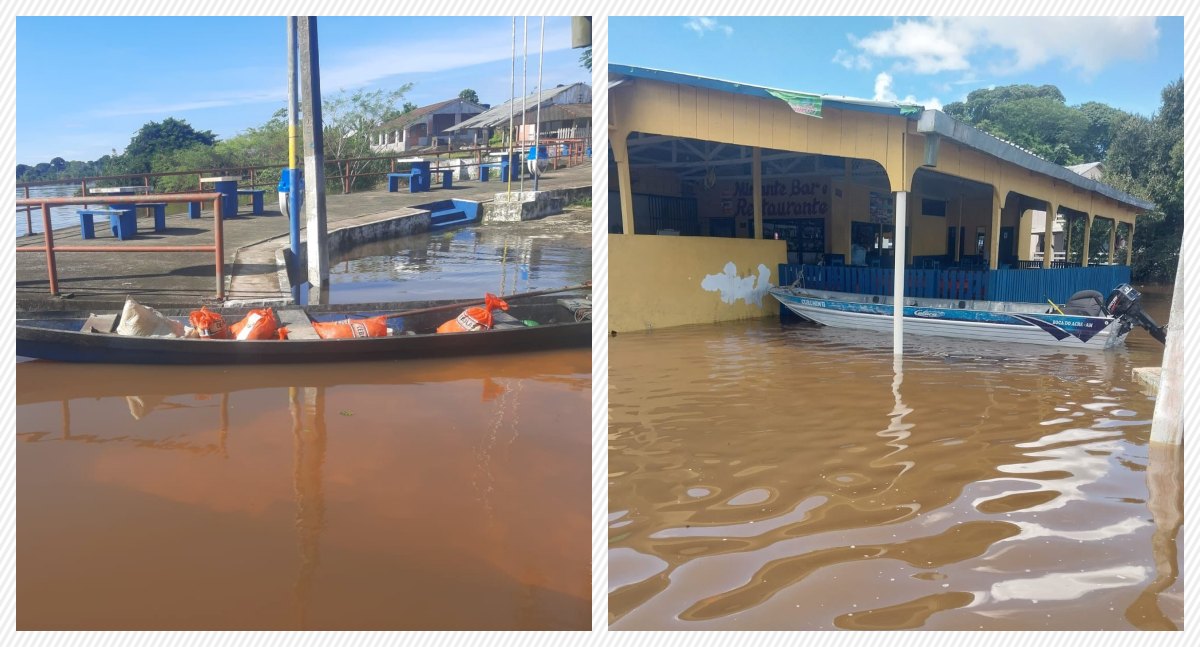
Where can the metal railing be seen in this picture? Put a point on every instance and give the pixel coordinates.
(1021, 285)
(218, 246)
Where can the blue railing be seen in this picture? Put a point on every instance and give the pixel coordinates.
(1033, 286)
(1036, 286)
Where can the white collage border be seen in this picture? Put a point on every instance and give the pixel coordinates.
(599, 634)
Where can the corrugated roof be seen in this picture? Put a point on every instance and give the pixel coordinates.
(936, 122)
(835, 101)
(1084, 168)
(499, 114)
(928, 122)
(419, 113)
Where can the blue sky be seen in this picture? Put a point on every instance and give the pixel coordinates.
(1124, 62)
(86, 85)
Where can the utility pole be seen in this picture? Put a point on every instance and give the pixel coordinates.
(293, 170)
(314, 160)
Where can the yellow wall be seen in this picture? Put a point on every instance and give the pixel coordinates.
(661, 108)
(657, 281)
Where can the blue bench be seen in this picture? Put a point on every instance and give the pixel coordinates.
(160, 213)
(256, 199)
(194, 210)
(414, 181)
(502, 165)
(122, 222)
(447, 177)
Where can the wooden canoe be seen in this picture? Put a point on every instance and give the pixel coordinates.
(58, 335)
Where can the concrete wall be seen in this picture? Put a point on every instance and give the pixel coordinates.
(663, 281)
(530, 206)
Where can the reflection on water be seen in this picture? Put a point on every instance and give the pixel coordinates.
(389, 495)
(59, 216)
(767, 476)
(464, 263)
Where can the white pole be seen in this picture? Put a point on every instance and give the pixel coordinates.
(524, 93)
(537, 129)
(512, 100)
(898, 283)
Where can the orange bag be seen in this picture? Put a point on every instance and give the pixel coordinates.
(351, 328)
(473, 319)
(208, 324)
(257, 324)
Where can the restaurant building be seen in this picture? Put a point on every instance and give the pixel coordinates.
(716, 187)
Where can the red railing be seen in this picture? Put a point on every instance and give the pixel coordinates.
(218, 246)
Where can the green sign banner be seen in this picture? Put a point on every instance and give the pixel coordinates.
(805, 104)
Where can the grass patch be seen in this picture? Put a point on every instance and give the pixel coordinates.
(585, 201)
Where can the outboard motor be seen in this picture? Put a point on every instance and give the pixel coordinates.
(1125, 303)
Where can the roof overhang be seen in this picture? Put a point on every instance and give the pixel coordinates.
(938, 123)
(829, 100)
(932, 123)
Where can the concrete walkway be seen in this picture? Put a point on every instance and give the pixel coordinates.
(97, 280)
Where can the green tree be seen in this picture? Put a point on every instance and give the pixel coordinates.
(585, 59)
(1145, 158)
(468, 95)
(59, 164)
(982, 105)
(409, 106)
(155, 139)
(1102, 120)
(351, 119)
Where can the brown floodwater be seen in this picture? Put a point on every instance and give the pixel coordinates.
(389, 495)
(790, 476)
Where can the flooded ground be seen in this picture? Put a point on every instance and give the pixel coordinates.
(502, 258)
(390, 495)
(768, 476)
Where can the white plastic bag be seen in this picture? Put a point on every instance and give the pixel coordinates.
(138, 320)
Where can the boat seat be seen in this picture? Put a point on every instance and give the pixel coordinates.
(298, 324)
(502, 320)
(100, 323)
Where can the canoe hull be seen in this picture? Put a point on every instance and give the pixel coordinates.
(844, 310)
(57, 339)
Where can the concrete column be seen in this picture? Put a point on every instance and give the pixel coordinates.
(1067, 226)
(758, 197)
(1129, 244)
(1087, 238)
(1048, 245)
(1112, 243)
(961, 234)
(1168, 407)
(314, 159)
(898, 272)
(994, 234)
(621, 155)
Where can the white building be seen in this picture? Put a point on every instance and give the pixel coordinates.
(426, 126)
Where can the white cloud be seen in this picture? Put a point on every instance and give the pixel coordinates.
(701, 24)
(137, 106)
(884, 92)
(851, 61)
(924, 47)
(934, 45)
(365, 66)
